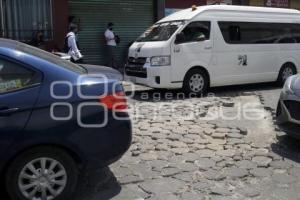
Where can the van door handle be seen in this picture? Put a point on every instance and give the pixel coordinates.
(7, 111)
(208, 47)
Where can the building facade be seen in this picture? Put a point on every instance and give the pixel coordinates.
(20, 20)
(175, 5)
(276, 3)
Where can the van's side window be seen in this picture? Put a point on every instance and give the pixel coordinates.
(196, 31)
(260, 32)
(235, 33)
(14, 77)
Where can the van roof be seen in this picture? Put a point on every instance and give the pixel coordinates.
(188, 14)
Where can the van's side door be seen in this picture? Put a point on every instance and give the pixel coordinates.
(245, 52)
(19, 90)
(192, 47)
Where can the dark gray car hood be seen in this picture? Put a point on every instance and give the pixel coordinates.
(107, 71)
(296, 85)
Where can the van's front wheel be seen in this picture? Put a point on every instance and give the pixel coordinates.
(196, 82)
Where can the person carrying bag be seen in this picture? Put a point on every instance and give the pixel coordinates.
(71, 47)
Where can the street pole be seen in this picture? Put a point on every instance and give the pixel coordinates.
(2, 19)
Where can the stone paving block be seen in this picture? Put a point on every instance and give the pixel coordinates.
(177, 158)
(262, 161)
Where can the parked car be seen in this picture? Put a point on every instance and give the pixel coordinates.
(56, 119)
(288, 111)
(216, 45)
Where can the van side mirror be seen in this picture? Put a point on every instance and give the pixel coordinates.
(180, 38)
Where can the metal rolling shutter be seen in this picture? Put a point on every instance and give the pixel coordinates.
(131, 18)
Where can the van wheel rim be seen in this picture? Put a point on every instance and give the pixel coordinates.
(196, 83)
(287, 72)
(42, 179)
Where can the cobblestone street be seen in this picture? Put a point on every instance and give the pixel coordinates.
(150, 100)
(189, 157)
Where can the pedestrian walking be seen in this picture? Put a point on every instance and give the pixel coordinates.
(71, 45)
(111, 43)
(74, 23)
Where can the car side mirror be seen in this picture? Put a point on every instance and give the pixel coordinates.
(180, 38)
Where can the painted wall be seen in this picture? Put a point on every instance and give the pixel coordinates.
(176, 5)
(184, 3)
(292, 3)
(60, 22)
(256, 2)
(179, 4)
(295, 4)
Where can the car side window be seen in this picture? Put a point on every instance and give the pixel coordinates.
(196, 32)
(14, 76)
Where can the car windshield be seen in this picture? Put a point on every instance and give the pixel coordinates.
(51, 58)
(160, 31)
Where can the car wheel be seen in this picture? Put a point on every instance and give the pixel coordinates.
(42, 173)
(196, 82)
(286, 71)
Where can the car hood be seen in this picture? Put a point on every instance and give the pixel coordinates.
(108, 72)
(148, 49)
(296, 85)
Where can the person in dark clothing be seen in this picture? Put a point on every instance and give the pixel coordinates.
(38, 40)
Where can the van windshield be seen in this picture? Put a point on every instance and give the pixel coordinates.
(160, 31)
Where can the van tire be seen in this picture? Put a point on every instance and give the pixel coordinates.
(196, 82)
(14, 170)
(286, 69)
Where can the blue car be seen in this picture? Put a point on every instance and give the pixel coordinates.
(57, 119)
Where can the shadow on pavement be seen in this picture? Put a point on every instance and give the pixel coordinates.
(287, 147)
(160, 95)
(100, 184)
(97, 185)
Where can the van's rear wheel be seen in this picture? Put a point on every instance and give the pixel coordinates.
(196, 82)
(42, 173)
(286, 71)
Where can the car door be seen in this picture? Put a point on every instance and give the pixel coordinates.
(193, 49)
(19, 90)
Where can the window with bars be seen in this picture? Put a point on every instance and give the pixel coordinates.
(22, 19)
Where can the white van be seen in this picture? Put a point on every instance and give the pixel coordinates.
(217, 45)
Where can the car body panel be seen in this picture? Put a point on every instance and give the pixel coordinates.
(61, 93)
(288, 110)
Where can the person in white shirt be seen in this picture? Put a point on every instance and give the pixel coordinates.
(71, 42)
(111, 45)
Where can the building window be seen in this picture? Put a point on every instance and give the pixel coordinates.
(21, 20)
